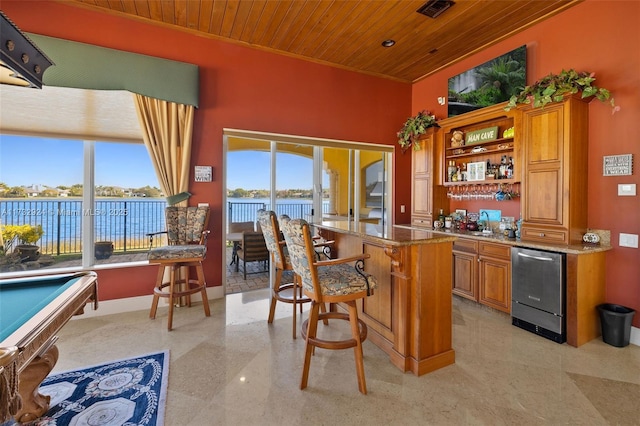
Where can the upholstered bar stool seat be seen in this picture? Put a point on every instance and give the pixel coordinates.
(334, 281)
(186, 250)
(177, 252)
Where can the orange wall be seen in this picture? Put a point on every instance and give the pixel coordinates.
(601, 37)
(239, 88)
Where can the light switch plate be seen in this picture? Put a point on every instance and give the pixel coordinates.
(628, 240)
(626, 189)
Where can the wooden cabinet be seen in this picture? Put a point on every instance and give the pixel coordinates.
(482, 272)
(427, 197)
(465, 268)
(554, 201)
(492, 150)
(494, 278)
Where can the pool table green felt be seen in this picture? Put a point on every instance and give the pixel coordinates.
(21, 300)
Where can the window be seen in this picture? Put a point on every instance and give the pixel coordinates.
(42, 184)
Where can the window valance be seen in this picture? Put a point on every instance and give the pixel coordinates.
(86, 66)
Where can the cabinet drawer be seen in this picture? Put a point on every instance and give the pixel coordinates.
(501, 251)
(423, 222)
(559, 236)
(465, 245)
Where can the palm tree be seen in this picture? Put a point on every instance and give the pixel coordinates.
(504, 74)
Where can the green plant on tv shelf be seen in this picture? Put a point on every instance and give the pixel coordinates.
(553, 88)
(415, 127)
(23, 234)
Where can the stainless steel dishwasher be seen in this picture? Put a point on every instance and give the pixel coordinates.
(538, 292)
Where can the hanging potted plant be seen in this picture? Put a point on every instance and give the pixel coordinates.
(415, 127)
(553, 88)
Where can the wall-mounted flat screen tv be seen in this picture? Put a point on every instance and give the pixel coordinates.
(488, 84)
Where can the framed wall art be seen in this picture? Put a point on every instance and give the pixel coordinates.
(476, 171)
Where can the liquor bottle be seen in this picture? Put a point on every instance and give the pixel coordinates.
(451, 170)
(502, 171)
(441, 216)
(510, 168)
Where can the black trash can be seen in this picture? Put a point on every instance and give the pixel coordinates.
(616, 324)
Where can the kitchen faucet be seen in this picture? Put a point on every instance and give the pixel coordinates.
(486, 229)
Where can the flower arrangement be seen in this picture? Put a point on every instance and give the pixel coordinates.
(414, 127)
(553, 87)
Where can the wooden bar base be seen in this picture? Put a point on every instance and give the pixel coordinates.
(410, 314)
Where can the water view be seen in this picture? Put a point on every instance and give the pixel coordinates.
(123, 221)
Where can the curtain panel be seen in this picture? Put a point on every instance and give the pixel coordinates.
(167, 129)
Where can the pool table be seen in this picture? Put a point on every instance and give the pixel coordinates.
(32, 311)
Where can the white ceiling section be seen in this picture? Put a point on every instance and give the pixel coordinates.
(66, 113)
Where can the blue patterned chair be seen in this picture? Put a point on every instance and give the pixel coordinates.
(287, 293)
(328, 281)
(186, 249)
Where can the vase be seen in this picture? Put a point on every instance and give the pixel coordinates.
(103, 249)
(28, 252)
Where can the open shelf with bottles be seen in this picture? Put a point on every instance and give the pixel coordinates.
(499, 155)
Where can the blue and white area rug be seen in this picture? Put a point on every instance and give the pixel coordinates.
(121, 393)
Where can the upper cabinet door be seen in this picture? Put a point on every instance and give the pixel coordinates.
(554, 200)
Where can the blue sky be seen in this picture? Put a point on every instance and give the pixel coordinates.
(54, 162)
(250, 170)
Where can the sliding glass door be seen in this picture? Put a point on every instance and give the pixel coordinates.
(358, 185)
(292, 190)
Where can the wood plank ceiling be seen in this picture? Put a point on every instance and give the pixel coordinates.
(349, 33)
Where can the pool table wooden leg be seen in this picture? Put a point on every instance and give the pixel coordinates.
(34, 404)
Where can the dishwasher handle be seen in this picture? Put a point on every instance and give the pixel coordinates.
(535, 257)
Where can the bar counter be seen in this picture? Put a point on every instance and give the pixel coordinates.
(409, 315)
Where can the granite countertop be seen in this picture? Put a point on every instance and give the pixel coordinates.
(500, 238)
(390, 234)
(400, 235)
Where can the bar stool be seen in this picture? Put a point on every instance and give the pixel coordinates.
(287, 293)
(187, 249)
(328, 281)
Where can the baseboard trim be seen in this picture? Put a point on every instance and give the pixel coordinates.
(139, 303)
(635, 336)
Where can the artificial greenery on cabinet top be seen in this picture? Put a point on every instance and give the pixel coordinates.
(553, 88)
(415, 127)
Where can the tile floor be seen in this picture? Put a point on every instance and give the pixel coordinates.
(234, 369)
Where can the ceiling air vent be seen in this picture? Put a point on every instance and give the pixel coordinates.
(434, 8)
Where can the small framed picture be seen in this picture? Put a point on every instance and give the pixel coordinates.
(203, 173)
(461, 212)
(476, 171)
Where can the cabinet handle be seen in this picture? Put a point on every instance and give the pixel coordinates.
(535, 257)
(542, 234)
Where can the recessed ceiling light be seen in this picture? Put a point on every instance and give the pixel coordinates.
(388, 43)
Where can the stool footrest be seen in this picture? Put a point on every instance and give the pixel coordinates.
(285, 294)
(194, 287)
(334, 344)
